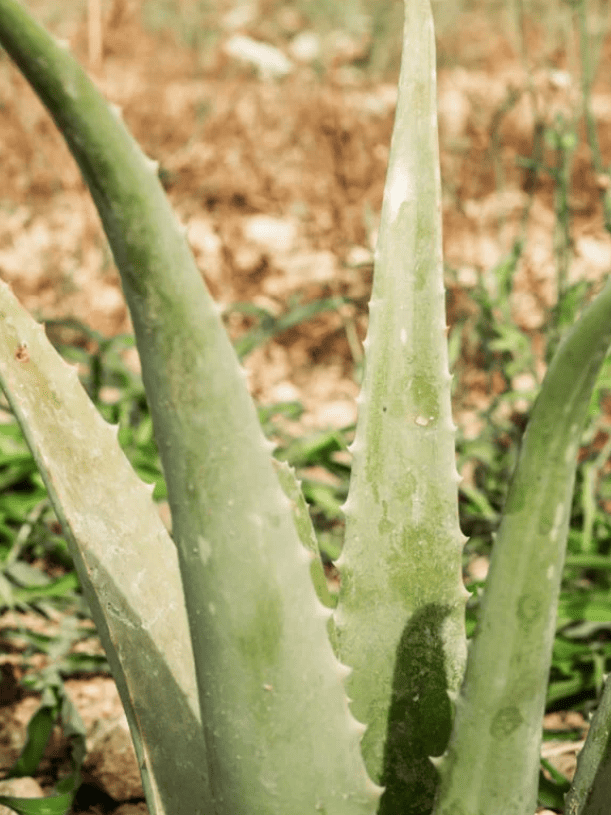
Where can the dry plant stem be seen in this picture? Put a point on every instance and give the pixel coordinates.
(278, 732)
(400, 618)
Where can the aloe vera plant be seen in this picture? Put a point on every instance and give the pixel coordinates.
(244, 692)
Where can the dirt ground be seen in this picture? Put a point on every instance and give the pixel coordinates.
(280, 183)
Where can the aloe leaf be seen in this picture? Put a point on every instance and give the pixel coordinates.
(400, 618)
(305, 529)
(126, 562)
(590, 791)
(279, 735)
(492, 762)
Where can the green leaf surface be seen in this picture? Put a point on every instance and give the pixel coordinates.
(552, 792)
(50, 805)
(55, 588)
(490, 766)
(594, 606)
(125, 560)
(307, 535)
(590, 791)
(400, 621)
(278, 732)
(39, 730)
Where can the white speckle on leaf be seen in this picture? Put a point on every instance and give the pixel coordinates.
(570, 453)
(423, 421)
(205, 549)
(398, 191)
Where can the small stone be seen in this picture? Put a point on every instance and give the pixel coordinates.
(111, 762)
(20, 788)
(267, 59)
(306, 47)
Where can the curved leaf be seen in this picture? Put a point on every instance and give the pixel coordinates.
(492, 763)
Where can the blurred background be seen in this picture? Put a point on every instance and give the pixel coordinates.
(271, 123)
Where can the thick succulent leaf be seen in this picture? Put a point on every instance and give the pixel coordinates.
(303, 523)
(590, 791)
(400, 619)
(125, 559)
(279, 735)
(492, 762)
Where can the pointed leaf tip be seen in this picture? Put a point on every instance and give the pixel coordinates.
(323, 611)
(358, 727)
(73, 367)
(152, 163)
(63, 43)
(339, 562)
(375, 790)
(436, 761)
(343, 671)
(269, 445)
